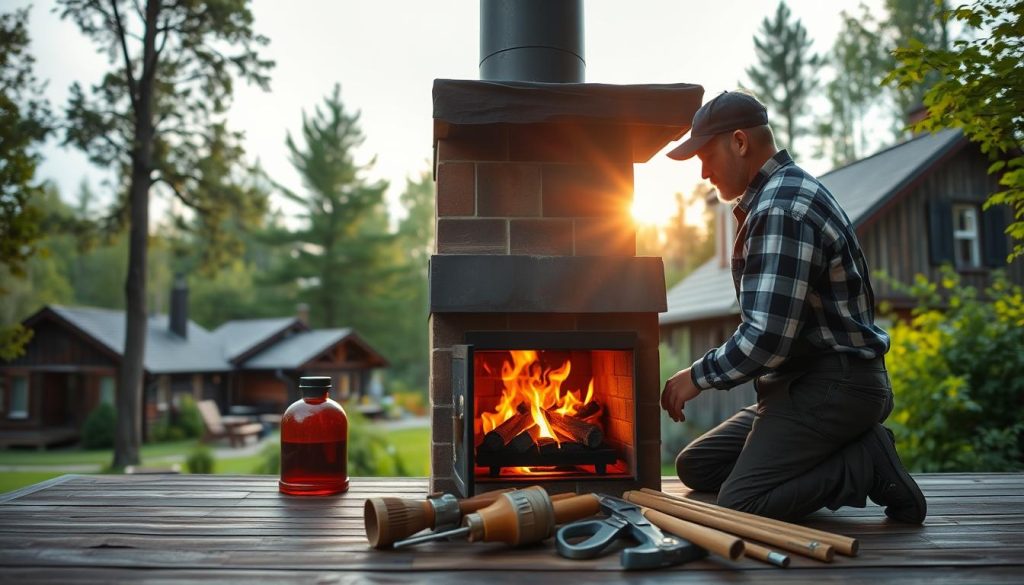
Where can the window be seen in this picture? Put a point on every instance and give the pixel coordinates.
(966, 236)
(107, 390)
(19, 397)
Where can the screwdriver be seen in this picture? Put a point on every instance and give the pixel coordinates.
(518, 517)
(389, 519)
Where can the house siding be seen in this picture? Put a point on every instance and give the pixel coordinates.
(897, 243)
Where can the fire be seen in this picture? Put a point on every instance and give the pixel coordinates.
(529, 387)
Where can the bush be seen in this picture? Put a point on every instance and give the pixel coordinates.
(189, 420)
(185, 422)
(957, 371)
(100, 427)
(200, 460)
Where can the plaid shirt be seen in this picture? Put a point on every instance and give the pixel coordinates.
(801, 280)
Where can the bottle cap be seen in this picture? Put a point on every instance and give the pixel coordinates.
(314, 385)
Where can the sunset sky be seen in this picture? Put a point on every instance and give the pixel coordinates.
(387, 53)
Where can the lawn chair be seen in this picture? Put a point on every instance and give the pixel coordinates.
(235, 429)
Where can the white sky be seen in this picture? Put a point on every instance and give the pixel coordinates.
(386, 54)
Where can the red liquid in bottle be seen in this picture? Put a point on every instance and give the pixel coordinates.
(314, 441)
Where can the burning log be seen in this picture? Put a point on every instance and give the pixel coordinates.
(588, 410)
(576, 429)
(503, 434)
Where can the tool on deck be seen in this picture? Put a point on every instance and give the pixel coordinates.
(390, 519)
(518, 517)
(625, 520)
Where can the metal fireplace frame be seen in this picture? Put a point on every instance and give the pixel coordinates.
(464, 448)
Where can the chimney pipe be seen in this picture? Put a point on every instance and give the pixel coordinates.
(532, 40)
(179, 307)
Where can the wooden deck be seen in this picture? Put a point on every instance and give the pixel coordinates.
(101, 529)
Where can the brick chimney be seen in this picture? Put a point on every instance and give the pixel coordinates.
(178, 318)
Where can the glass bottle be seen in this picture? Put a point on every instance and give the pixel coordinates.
(314, 442)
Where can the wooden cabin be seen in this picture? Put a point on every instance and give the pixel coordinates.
(248, 367)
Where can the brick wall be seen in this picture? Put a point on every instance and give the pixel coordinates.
(535, 190)
(541, 190)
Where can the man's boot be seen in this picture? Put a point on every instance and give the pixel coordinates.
(892, 486)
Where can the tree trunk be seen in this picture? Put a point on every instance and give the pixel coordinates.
(128, 437)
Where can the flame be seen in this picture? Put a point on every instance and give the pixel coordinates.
(529, 387)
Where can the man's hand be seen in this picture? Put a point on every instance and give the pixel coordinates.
(678, 390)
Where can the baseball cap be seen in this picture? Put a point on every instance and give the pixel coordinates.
(728, 111)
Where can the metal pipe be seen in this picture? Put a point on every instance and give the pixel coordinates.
(532, 40)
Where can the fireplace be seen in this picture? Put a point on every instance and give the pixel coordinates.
(535, 273)
(557, 407)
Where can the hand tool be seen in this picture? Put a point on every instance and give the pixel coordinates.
(518, 517)
(625, 520)
(390, 519)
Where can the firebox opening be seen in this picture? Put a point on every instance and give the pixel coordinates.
(553, 414)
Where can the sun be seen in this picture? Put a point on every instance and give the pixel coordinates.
(651, 210)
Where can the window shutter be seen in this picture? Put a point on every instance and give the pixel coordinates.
(940, 232)
(993, 236)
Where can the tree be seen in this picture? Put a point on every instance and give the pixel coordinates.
(784, 76)
(913, 21)
(150, 117)
(24, 123)
(859, 62)
(979, 89)
(343, 257)
(411, 359)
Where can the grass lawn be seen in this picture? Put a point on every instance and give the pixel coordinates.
(13, 480)
(151, 453)
(412, 445)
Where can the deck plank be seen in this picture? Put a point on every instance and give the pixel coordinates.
(92, 529)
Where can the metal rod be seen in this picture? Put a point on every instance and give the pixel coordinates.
(464, 531)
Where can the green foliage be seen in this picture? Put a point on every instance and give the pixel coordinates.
(184, 422)
(200, 459)
(342, 253)
(98, 430)
(980, 89)
(785, 73)
(370, 453)
(23, 125)
(674, 435)
(188, 417)
(405, 343)
(344, 261)
(957, 371)
(860, 61)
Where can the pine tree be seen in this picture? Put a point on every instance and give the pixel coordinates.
(784, 76)
(859, 62)
(416, 236)
(150, 118)
(343, 257)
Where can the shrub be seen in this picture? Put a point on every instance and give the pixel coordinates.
(100, 427)
(200, 459)
(957, 371)
(189, 420)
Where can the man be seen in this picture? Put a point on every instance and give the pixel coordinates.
(807, 338)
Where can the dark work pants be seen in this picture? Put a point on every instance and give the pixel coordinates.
(800, 447)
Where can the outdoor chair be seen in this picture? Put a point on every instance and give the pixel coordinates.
(235, 429)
